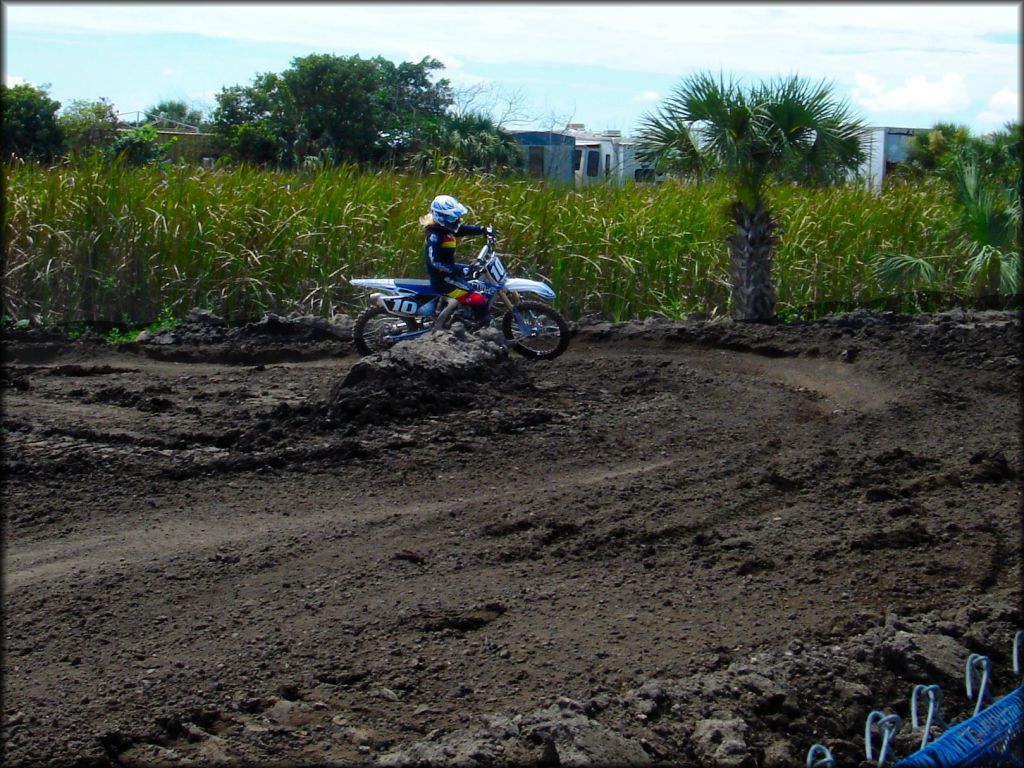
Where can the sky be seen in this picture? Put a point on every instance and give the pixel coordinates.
(604, 64)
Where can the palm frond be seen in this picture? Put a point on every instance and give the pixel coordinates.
(789, 128)
(901, 270)
(991, 270)
(669, 144)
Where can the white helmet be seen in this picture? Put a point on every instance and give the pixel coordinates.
(447, 211)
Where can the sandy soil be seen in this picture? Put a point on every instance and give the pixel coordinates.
(696, 544)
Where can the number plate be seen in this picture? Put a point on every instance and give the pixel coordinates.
(497, 269)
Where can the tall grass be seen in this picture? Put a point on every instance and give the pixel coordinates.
(105, 242)
(831, 240)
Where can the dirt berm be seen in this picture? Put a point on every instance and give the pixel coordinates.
(681, 543)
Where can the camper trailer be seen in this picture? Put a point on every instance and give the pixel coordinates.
(547, 154)
(606, 156)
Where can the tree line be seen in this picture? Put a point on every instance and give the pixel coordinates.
(323, 110)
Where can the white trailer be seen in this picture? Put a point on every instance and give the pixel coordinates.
(606, 156)
(884, 148)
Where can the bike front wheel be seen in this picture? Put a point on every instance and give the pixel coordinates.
(374, 325)
(536, 330)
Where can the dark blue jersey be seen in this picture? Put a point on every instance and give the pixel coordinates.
(439, 256)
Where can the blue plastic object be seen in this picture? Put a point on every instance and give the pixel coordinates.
(992, 738)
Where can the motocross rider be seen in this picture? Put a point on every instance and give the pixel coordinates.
(442, 225)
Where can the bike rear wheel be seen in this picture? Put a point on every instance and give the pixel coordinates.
(373, 326)
(536, 330)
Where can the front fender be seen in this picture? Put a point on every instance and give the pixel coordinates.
(520, 285)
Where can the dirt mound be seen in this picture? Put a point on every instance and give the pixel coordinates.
(273, 338)
(440, 372)
(957, 337)
(202, 327)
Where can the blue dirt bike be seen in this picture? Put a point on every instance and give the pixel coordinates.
(404, 309)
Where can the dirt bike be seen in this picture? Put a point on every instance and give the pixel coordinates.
(404, 309)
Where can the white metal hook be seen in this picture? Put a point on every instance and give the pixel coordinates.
(977, 664)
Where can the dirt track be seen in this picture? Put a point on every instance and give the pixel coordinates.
(680, 543)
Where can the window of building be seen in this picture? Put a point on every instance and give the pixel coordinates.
(607, 165)
(643, 174)
(593, 160)
(577, 159)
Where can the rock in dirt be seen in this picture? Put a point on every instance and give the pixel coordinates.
(723, 742)
(574, 739)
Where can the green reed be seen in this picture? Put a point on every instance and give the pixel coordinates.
(94, 241)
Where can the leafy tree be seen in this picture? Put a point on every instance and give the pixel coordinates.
(255, 143)
(138, 146)
(332, 107)
(335, 107)
(410, 105)
(177, 115)
(997, 155)
(30, 128)
(468, 142)
(88, 125)
(785, 129)
(252, 120)
(928, 151)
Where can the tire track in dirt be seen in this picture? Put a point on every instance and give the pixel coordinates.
(845, 384)
(839, 384)
(27, 566)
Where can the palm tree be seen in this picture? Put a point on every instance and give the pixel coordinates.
(785, 129)
(468, 142)
(990, 219)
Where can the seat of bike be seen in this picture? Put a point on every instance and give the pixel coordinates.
(419, 286)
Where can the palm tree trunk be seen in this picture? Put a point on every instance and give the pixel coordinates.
(750, 251)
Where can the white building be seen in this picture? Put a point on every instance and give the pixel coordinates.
(597, 156)
(885, 147)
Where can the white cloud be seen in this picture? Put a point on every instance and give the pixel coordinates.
(666, 38)
(1005, 102)
(13, 80)
(646, 97)
(1003, 107)
(916, 94)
